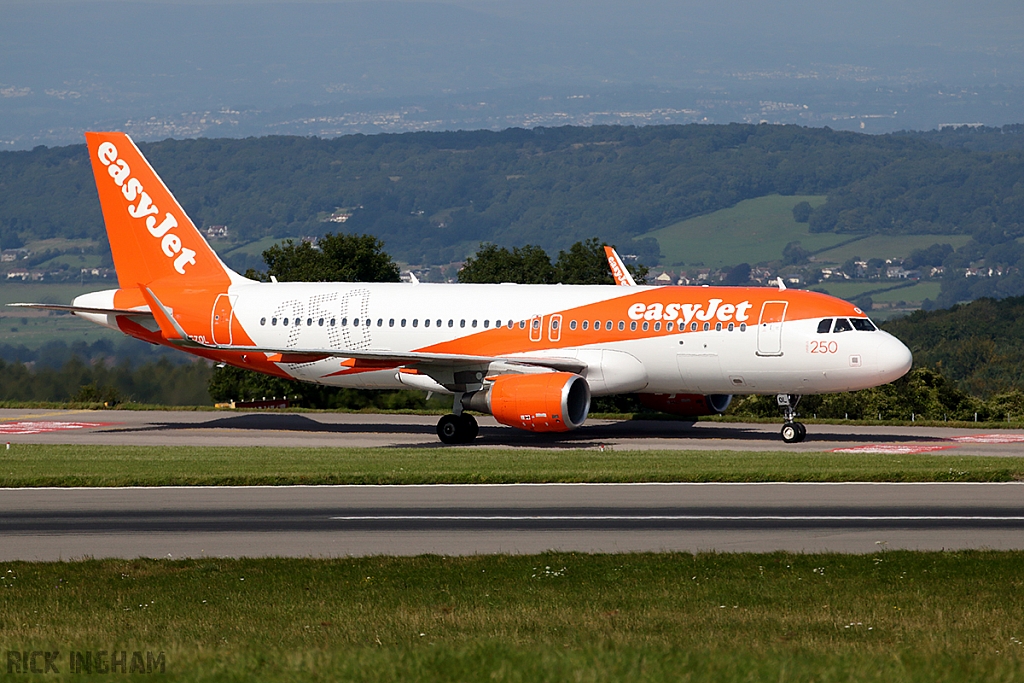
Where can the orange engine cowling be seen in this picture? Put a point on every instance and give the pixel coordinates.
(547, 402)
(687, 405)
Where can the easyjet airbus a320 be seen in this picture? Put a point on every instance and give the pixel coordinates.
(530, 355)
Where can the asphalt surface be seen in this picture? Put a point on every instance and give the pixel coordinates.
(171, 428)
(53, 524)
(332, 521)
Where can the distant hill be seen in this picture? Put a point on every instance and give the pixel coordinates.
(433, 197)
(979, 346)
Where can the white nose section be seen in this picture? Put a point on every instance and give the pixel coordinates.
(894, 358)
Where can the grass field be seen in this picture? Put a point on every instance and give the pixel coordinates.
(753, 231)
(67, 465)
(851, 289)
(250, 248)
(892, 616)
(888, 246)
(756, 230)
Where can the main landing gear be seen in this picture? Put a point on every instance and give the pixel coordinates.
(457, 427)
(792, 431)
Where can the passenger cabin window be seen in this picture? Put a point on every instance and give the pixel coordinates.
(415, 322)
(572, 324)
(863, 325)
(842, 325)
(825, 326)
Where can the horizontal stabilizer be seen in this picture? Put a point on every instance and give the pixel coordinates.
(85, 309)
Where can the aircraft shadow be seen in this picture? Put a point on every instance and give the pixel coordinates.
(589, 435)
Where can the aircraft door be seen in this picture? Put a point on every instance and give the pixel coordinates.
(769, 328)
(220, 320)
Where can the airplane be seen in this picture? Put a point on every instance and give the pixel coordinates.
(532, 356)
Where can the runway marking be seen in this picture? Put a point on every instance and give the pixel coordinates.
(49, 414)
(677, 518)
(43, 426)
(891, 449)
(989, 438)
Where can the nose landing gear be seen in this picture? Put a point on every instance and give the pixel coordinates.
(792, 431)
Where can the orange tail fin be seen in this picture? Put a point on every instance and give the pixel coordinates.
(151, 237)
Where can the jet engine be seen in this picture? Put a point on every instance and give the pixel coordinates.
(545, 402)
(687, 405)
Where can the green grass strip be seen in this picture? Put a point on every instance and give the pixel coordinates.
(893, 617)
(70, 465)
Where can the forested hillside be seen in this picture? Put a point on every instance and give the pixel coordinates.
(433, 197)
(979, 346)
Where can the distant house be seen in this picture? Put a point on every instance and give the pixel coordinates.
(18, 275)
(9, 255)
(663, 279)
(217, 232)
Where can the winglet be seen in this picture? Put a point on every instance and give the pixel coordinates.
(619, 272)
(782, 285)
(169, 327)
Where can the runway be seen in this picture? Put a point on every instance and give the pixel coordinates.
(336, 521)
(204, 428)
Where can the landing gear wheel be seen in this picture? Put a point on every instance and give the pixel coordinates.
(450, 429)
(470, 426)
(793, 432)
(454, 429)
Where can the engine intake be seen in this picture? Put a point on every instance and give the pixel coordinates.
(546, 402)
(687, 405)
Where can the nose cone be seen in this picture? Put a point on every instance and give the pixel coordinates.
(894, 358)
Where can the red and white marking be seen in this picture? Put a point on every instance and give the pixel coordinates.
(41, 427)
(989, 438)
(891, 449)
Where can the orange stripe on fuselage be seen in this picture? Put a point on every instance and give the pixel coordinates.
(678, 305)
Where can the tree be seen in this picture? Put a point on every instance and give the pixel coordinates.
(584, 263)
(739, 275)
(335, 258)
(529, 265)
(802, 212)
(793, 254)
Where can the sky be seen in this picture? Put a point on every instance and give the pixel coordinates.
(253, 67)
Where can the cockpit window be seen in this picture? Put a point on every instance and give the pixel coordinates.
(825, 326)
(863, 324)
(842, 325)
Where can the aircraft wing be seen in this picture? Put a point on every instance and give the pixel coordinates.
(174, 333)
(389, 358)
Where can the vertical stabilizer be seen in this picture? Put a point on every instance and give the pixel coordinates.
(619, 272)
(151, 237)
